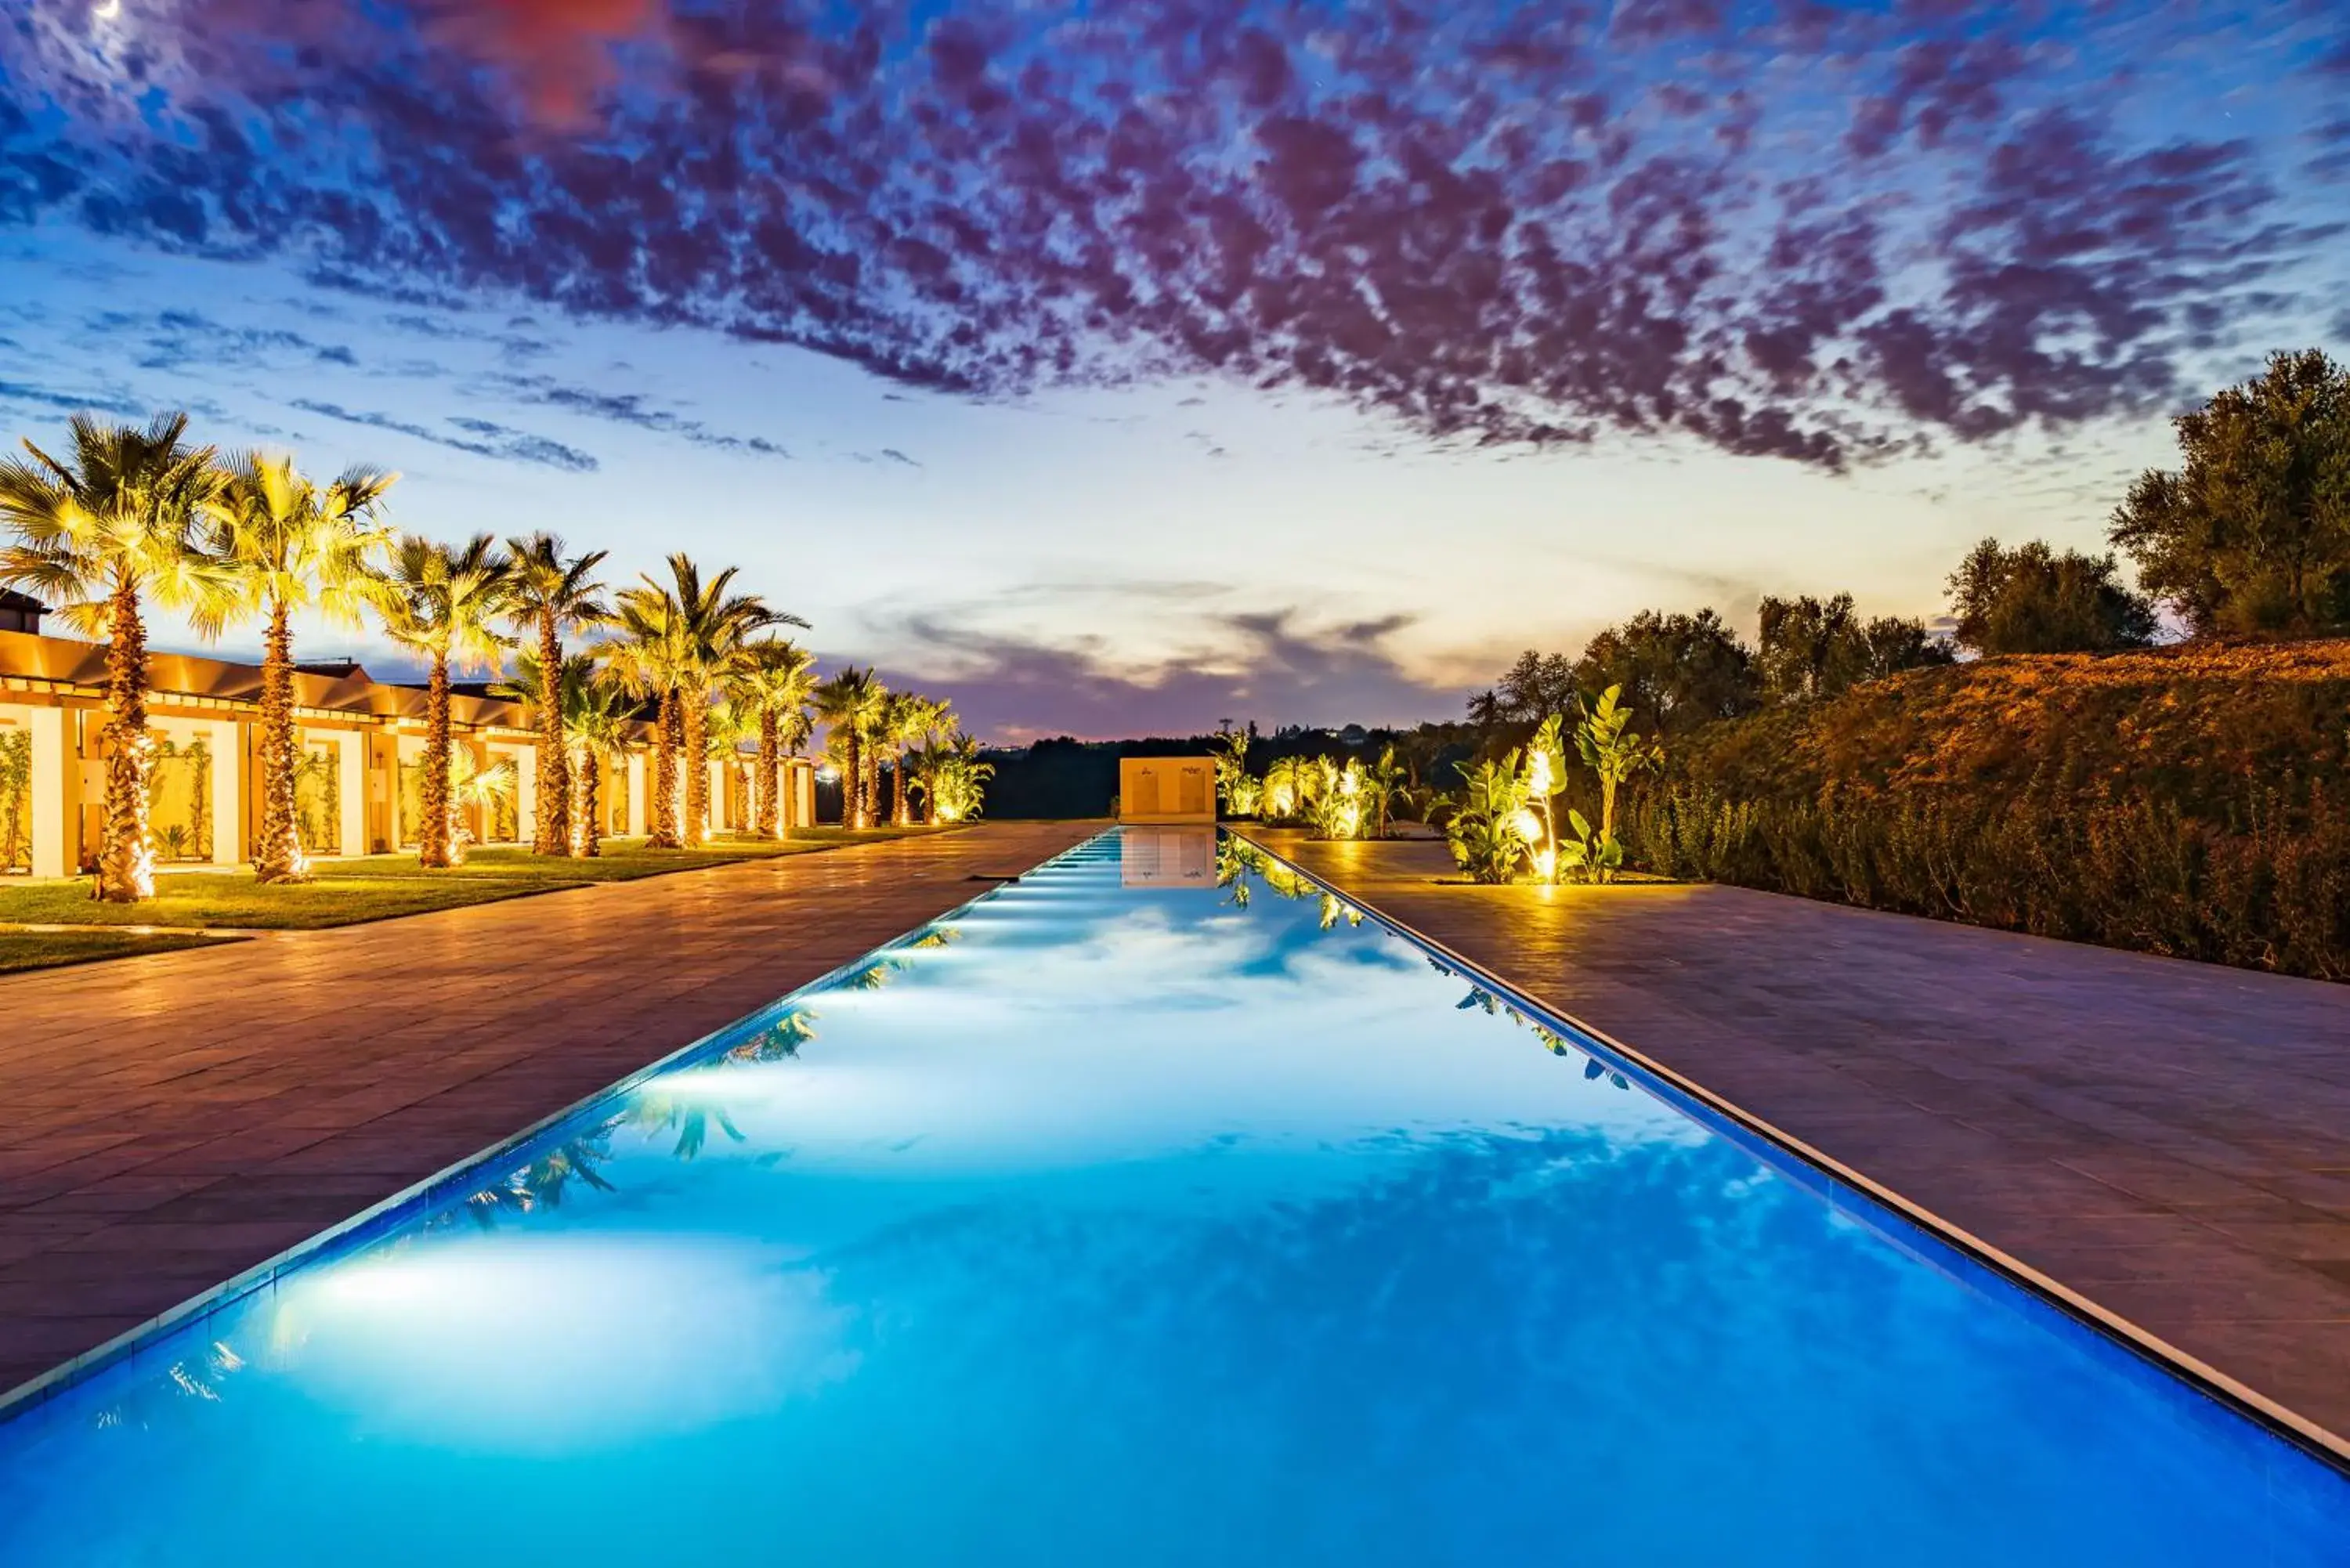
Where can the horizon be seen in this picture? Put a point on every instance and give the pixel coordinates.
(1118, 371)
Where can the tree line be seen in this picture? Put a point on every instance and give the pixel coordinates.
(2249, 536)
(131, 517)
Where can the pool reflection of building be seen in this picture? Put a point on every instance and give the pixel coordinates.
(1166, 857)
(359, 790)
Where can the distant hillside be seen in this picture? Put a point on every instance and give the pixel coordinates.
(2188, 800)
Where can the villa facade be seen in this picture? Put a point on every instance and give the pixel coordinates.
(359, 785)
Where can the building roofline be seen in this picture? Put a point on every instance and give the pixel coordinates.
(69, 663)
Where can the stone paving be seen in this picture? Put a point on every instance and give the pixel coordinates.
(2169, 1139)
(170, 1121)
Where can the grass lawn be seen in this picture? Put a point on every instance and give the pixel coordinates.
(379, 887)
(46, 950)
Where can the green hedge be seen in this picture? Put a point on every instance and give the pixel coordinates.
(2186, 803)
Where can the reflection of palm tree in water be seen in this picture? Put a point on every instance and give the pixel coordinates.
(778, 1041)
(885, 967)
(1485, 1000)
(672, 1102)
(1235, 858)
(540, 1183)
(655, 1110)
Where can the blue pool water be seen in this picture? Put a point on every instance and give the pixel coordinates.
(1126, 1219)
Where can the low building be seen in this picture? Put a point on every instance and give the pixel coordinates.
(1167, 790)
(360, 786)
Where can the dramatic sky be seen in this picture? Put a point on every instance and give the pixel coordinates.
(1123, 366)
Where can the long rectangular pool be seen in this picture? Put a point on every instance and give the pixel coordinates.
(1158, 1208)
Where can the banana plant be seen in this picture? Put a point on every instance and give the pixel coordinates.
(1615, 753)
(1492, 829)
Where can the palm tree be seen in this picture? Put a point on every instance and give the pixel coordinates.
(444, 603)
(907, 721)
(295, 547)
(774, 681)
(732, 723)
(953, 778)
(848, 703)
(718, 626)
(547, 594)
(97, 536)
(595, 712)
(648, 657)
(714, 628)
(594, 727)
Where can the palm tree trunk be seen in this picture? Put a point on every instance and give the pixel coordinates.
(852, 782)
(869, 809)
(435, 844)
(126, 868)
(770, 763)
(665, 736)
(589, 824)
(551, 828)
(279, 857)
(697, 771)
(901, 807)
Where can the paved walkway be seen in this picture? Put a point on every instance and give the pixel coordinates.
(2169, 1139)
(172, 1121)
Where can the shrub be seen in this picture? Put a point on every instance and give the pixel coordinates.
(2188, 801)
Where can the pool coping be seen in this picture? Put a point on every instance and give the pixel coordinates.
(467, 1173)
(2327, 1447)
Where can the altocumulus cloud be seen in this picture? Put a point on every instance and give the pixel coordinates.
(1780, 227)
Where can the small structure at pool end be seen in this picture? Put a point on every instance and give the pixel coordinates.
(1166, 791)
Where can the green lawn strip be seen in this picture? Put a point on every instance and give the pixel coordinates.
(621, 860)
(382, 886)
(21, 951)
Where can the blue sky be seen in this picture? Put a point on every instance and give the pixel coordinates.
(1126, 366)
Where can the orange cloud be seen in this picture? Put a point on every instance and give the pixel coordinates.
(559, 52)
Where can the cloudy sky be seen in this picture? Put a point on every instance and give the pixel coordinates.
(1124, 366)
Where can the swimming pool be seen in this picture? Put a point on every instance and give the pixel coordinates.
(1158, 1208)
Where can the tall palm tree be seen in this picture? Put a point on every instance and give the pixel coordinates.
(444, 603)
(714, 628)
(848, 703)
(648, 657)
(775, 682)
(920, 721)
(98, 536)
(293, 546)
(596, 710)
(906, 719)
(594, 727)
(550, 593)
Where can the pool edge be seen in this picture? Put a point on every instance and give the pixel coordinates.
(2328, 1446)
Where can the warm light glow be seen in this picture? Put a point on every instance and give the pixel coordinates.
(1538, 777)
(1528, 825)
(1546, 864)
